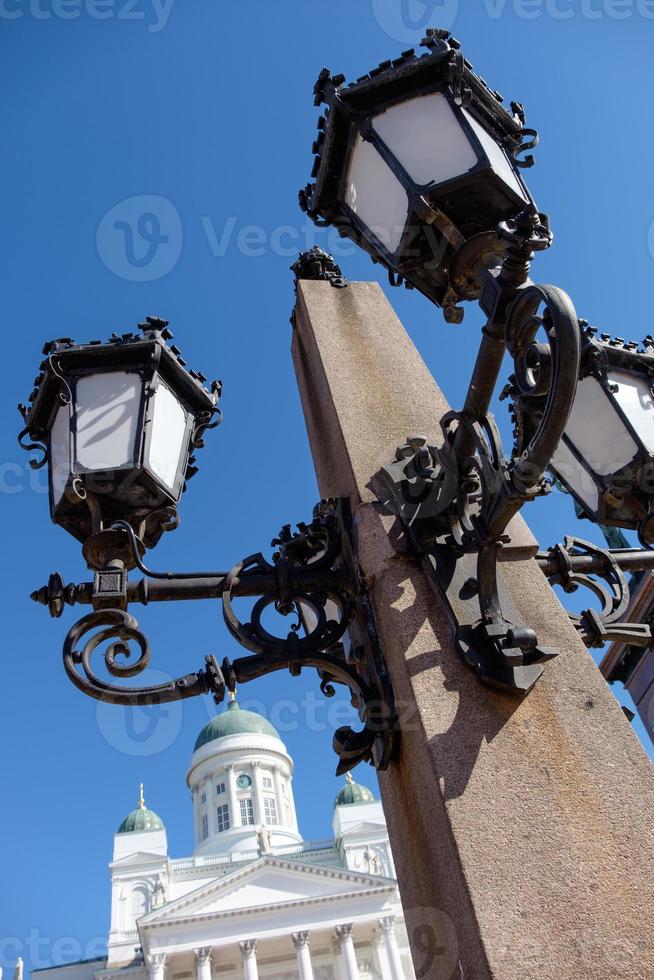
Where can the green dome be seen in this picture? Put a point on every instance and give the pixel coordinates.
(141, 819)
(353, 793)
(234, 721)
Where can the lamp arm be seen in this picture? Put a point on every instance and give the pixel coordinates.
(312, 577)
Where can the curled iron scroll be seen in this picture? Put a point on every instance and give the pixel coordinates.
(321, 612)
(597, 627)
(119, 634)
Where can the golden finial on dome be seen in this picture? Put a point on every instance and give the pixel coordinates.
(348, 778)
(141, 800)
(232, 695)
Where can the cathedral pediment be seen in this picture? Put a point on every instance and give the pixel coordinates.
(365, 829)
(268, 883)
(138, 857)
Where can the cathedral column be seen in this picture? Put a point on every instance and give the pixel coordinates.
(257, 795)
(344, 935)
(249, 958)
(203, 963)
(382, 956)
(234, 814)
(207, 786)
(284, 815)
(387, 926)
(156, 966)
(301, 943)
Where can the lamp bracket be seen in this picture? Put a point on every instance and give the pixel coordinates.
(313, 577)
(578, 563)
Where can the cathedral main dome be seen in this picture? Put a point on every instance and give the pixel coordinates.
(234, 721)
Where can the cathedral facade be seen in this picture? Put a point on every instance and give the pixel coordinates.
(254, 900)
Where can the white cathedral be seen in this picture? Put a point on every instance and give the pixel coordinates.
(254, 900)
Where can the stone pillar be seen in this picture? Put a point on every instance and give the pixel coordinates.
(234, 812)
(387, 926)
(301, 943)
(156, 963)
(521, 830)
(348, 954)
(249, 958)
(203, 963)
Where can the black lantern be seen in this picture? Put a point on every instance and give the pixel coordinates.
(118, 423)
(606, 456)
(417, 163)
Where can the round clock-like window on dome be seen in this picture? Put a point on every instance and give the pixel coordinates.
(243, 781)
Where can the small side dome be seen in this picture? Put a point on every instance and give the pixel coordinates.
(353, 793)
(234, 721)
(141, 819)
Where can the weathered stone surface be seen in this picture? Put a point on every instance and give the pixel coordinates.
(522, 831)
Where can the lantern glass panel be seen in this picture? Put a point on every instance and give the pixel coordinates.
(168, 437)
(634, 396)
(497, 158)
(597, 431)
(60, 453)
(426, 137)
(575, 476)
(375, 195)
(107, 419)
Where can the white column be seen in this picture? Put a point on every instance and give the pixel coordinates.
(257, 794)
(282, 817)
(249, 957)
(350, 966)
(382, 956)
(301, 943)
(203, 963)
(234, 813)
(156, 966)
(207, 786)
(392, 950)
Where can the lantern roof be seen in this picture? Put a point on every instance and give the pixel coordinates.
(148, 348)
(391, 82)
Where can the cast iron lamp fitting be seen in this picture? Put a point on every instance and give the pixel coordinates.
(420, 164)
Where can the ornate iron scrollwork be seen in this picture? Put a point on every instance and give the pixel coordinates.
(118, 630)
(459, 498)
(596, 627)
(312, 577)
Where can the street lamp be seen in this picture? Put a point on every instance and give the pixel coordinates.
(606, 454)
(418, 163)
(118, 423)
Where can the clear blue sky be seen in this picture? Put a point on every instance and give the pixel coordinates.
(208, 105)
